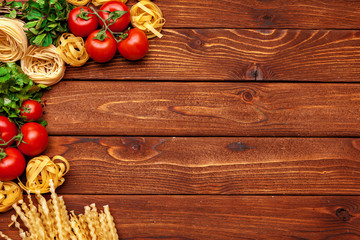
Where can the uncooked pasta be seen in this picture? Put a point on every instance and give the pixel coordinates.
(101, 2)
(13, 41)
(148, 17)
(78, 2)
(10, 193)
(43, 65)
(72, 50)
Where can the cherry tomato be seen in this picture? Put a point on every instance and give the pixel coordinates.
(31, 110)
(8, 130)
(12, 165)
(35, 139)
(122, 22)
(100, 51)
(79, 26)
(135, 46)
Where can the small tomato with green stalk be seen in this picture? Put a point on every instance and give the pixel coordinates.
(31, 110)
(101, 46)
(8, 131)
(135, 45)
(82, 21)
(12, 164)
(33, 139)
(116, 15)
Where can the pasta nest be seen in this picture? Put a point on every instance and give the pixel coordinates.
(13, 40)
(101, 2)
(78, 2)
(43, 65)
(10, 193)
(72, 50)
(148, 17)
(40, 170)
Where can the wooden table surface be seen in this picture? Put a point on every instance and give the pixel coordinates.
(242, 122)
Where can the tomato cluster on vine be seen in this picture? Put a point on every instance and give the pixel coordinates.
(102, 44)
(16, 142)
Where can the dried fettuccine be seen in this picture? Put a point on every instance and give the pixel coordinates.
(43, 65)
(13, 40)
(78, 2)
(148, 17)
(102, 2)
(72, 50)
(40, 170)
(10, 193)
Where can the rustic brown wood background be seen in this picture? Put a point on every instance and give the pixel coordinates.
(242, 122)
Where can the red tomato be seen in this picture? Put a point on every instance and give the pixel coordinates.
(122, 22)
(81, 27)
(135, 46)
(100, 51)
(35, 139)
(8, 130)
(12, 165)
(31, 110)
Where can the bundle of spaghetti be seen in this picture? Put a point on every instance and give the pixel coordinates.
(78, 2)
(10, 193)
(72, 50)
(148, 17)
(101, 2)
(51, 220)
(13, 40)
(43, 65)
(40, 170)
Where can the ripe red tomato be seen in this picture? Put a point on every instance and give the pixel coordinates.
(135, 46)
(35, 139)
(81, 27)
(31, 110)
(100, 51)
(122, 22)
(8, 131)
(12, 165)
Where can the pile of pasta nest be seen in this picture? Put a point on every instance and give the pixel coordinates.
(49, 219)
(46, 65)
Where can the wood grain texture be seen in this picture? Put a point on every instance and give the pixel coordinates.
(305, 14)
(229, 54)
(202, 109)
(225, 217)
(169, 165)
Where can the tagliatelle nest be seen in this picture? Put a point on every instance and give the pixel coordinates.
(78, 2)
(43, 65)
(51, 220)
(41, 170)
(10, 193)
(148, 17)
(13, 40)
(72, 50)
(102, 2)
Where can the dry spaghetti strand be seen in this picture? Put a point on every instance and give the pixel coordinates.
(78, 2)
(72, 50)
(40, 170)
(10, 193)
(43, 65)
(101, 2)
(13, 41)
(148, 17)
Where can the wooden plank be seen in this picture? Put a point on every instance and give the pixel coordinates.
(228, 54)
(169, 165)
(305, 14)
(203, 109)
(225, 217)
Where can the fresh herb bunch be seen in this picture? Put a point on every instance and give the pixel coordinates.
(46, 19)
(16, 87)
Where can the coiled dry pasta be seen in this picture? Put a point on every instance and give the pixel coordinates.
(78, 2)
(40, 170)
(101, 2)
(72, 50)
(43, 65)
(13, 41)
(148, 17)
(10, 193)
